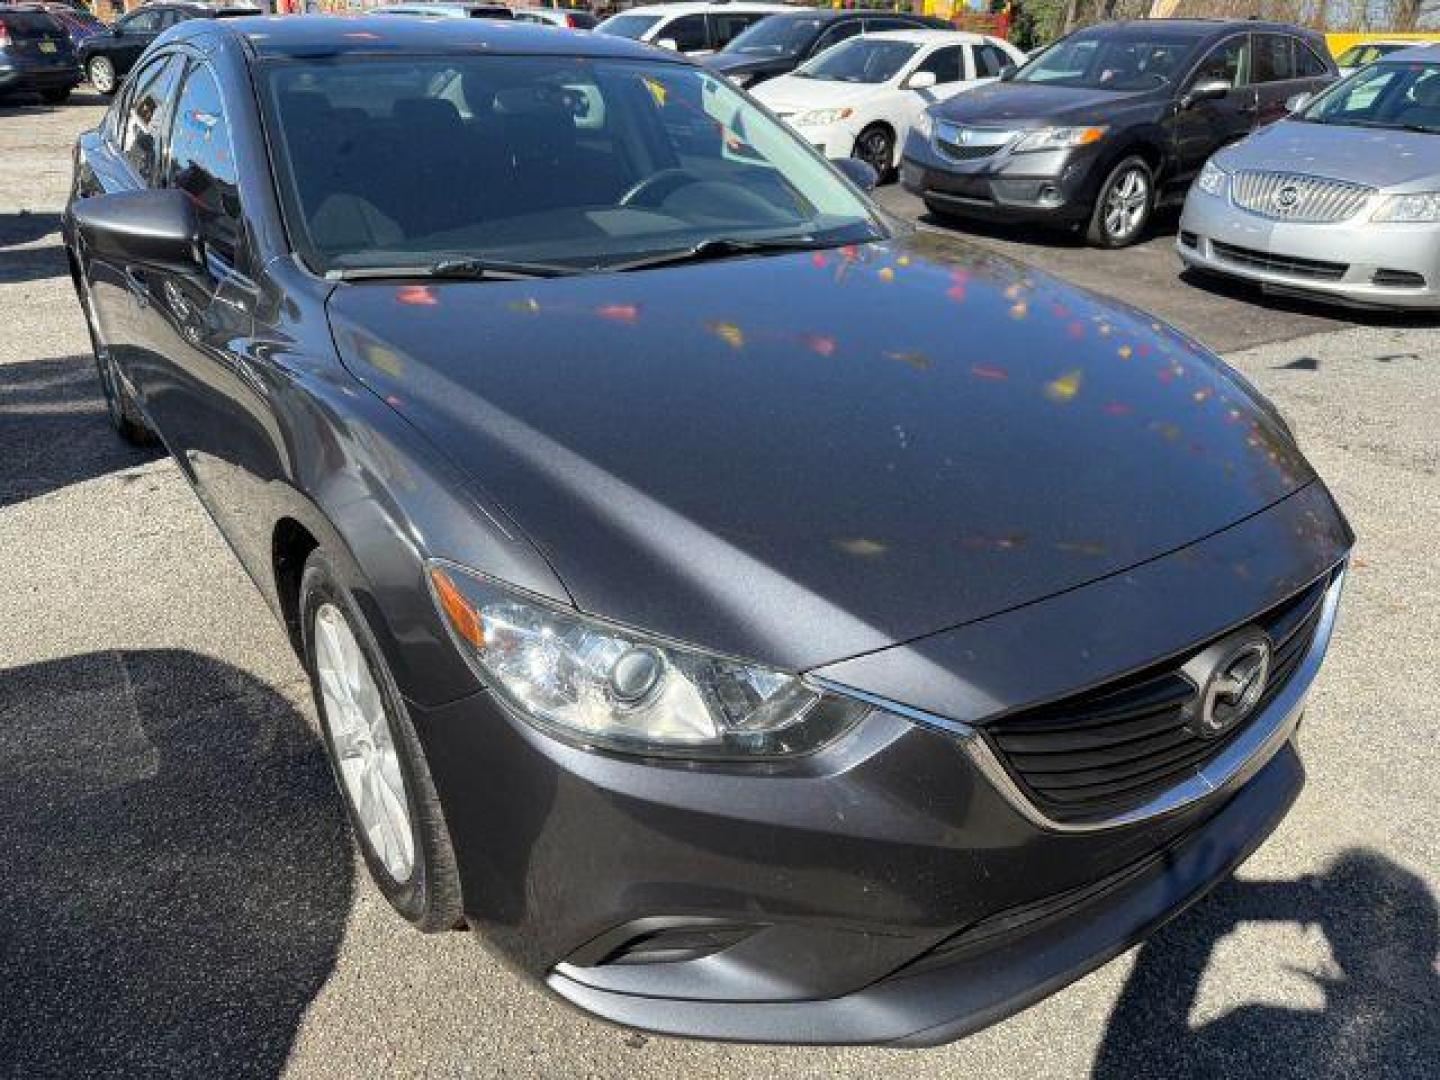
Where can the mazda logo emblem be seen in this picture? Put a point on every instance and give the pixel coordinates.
(1230, 678)
(1288, 197)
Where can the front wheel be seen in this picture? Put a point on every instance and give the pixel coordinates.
(101, 73)
(876, 147)
(376, 756)
(1124, 205)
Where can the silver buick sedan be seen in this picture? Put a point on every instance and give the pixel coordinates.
(1341, 199)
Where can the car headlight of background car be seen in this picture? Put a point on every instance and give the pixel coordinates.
(820, 117)
(1213, 180)
(1421, 207)
(601, 684)
(925, 125)
(1059, 138)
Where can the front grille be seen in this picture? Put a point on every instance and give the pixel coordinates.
(1280, 264)
(1111, 749)
(956, 152)
(1295, 197)
(1399, 279)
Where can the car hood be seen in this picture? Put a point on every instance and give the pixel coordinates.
(747, 63)
(1371, 156)
(802, 457)
(1034, 104)
(790, 93)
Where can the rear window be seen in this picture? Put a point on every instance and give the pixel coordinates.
(631, 26)
(29, 24)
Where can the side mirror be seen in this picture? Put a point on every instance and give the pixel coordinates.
(1008, 72)
(1209, 90)
(1297, 102)
(921, 80)
(860, 173)
(155, 228)
(668, 43)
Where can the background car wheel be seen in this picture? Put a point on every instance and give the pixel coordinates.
(876, 147)
(378, 762)
(101, 73)
(1124, 205)
(124, 415)
(55, 97)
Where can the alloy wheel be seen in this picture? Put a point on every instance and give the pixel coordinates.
(364, 745)
(1127, 203)
(102, 75)
(873, 148)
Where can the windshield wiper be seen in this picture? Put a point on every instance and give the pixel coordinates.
(723, 247)
(466, 269)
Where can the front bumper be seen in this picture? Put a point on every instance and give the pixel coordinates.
(1048, 186)
(1358, 262)
(830, 140)
(888, 888)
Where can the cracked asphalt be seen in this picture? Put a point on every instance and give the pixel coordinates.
(180, 897)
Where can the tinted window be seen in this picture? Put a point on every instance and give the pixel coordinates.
(201, 161)
(1104, 60)
(945, 64)
(688, 33)
(1225, 63)
(860, 60)
(779, 35)
(28, 24)
(990, 60)
(725, 27)
(631, 26)
(836, 34)
(142, 22)
(1273, 58)
(548, 146)
(874, 26)
(140, 141)
(1307, 64)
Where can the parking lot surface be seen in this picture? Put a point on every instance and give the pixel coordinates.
(181, 896)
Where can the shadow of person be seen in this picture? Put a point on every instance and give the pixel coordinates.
(177, 871)
(1381, 1016)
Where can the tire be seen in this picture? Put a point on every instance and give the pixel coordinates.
(1124, 205)
(384, 769)
(876, 147)
(120, 407)
(57, 96)
(100, 72)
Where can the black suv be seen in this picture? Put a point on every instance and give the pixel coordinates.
(35, 54)
(1109, 122)
(779, 44)
(107, 57)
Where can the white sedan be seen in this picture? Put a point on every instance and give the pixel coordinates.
(860, 98)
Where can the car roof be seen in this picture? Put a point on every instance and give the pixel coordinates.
(927, 37)
(691, 8)
(1198, 28)
(1425, 52)
(267, 36)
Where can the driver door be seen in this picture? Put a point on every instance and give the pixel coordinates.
(1205, 126)
(947, 64)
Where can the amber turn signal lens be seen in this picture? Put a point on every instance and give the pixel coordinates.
(463, 617)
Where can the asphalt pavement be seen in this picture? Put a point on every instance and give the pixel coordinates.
(180, 897)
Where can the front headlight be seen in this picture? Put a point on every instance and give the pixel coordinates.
(607, 685)
(820, 117)
(1212, 179)
(1421, 207)
(925, 126)
(1060, 138)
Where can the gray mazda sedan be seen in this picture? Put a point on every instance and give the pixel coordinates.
(755, 619)
(1341, 200)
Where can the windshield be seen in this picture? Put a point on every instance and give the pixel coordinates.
(631, 26)
(579, 163)
(779, 35)
(1101, 61)
(860, 60)
(1383, 95)
(28, 24)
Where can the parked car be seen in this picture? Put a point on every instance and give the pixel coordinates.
(860, 98)
(1341, 200)
(1367, 52)
(778, 44)
(741, 663)
(78, 23)
(568, 18)
(107, 57)
(695, 29)
(1109, 122)
(429, 10)
(35, 54)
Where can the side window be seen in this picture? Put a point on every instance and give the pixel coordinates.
(945, 63)
(1307, 64)
(202, 164)
(688, 33)
(874, 26)
(836, 34)
(989, 61)
(1226, 62)
(1272, 60)
(726, 25)
(144, 112)
(143, 22)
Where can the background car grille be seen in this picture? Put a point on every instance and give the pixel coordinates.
(1292, 197)
(1280, 264)
(1111, 749)
(963, 153)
